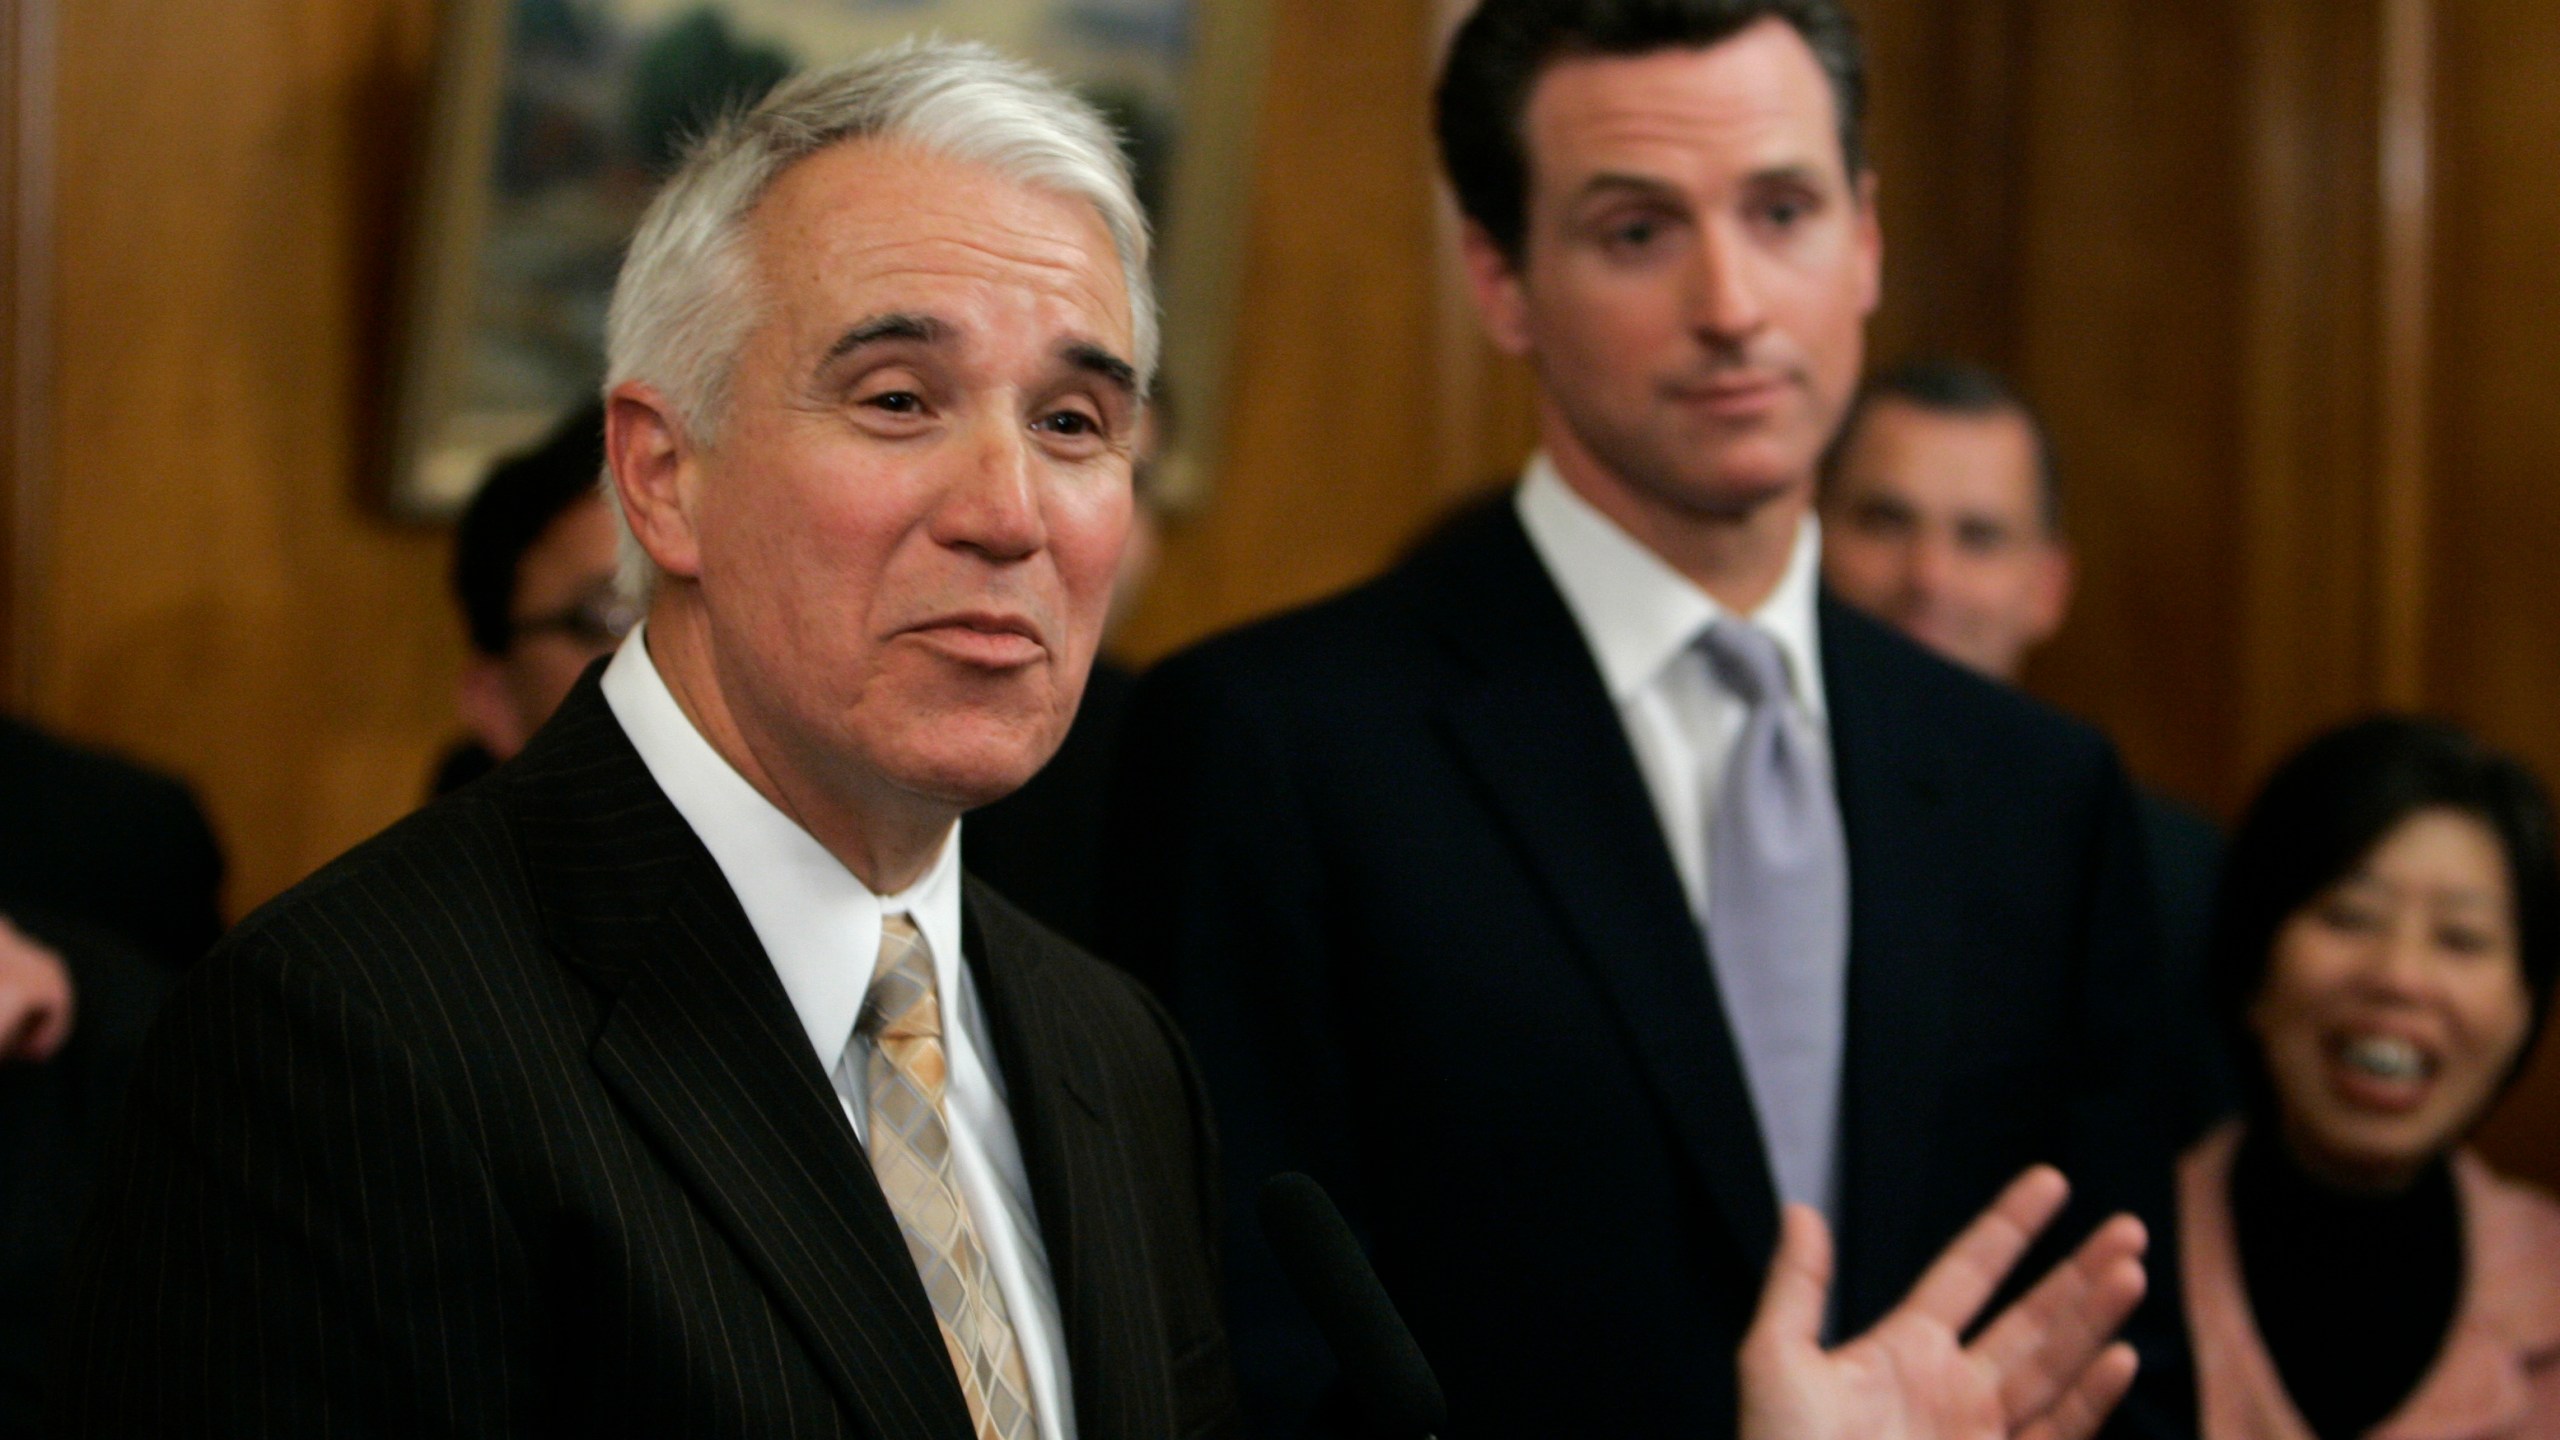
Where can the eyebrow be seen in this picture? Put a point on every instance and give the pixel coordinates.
(1093, 359)
(879, 329)
(926, 330)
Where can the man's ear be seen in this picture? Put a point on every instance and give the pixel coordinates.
(656, 470)
(1502, 301)
(2050, 597)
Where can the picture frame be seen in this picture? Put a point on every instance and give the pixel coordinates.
(553, 120)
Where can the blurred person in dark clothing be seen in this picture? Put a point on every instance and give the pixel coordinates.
(533, 563)
(74, 1003)
(1942, 515)
(102, 842)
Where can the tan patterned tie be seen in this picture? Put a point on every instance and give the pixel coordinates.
(910, 1144)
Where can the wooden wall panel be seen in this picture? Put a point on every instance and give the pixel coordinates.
(218, 601)
(2492, 645)
(1331, 463)
(2128, 283)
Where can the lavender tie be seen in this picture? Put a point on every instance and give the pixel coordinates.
(1778, 914)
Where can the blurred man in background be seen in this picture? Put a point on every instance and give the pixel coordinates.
(110, 881)
(1942, 515)
(533, 561)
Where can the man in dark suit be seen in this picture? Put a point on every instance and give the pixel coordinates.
(1942, 517)
(1592, 883)
(673, 1081)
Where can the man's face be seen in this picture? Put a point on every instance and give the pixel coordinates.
(564, 616)
(1696, 274)
(1934, 523)
(905, 533)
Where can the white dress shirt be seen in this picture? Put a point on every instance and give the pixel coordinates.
(820, 927)
(1641, 620)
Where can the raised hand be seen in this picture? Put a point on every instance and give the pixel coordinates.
(2044, 1369)
(35, 999)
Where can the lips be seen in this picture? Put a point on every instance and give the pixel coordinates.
(1739, 394)
(2377, 1071)
(991, 639)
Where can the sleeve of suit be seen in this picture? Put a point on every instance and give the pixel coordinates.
(1215, 896)
(293, 1234)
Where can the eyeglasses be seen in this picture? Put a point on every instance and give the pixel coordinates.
(599, 620)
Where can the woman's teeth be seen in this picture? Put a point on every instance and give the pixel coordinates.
(2385, 1059)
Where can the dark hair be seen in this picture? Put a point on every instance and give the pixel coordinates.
(2326, 808)
(1496, 58)
(522, 496)
(1957, 387)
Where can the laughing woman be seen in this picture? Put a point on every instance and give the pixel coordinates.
(2390, 928)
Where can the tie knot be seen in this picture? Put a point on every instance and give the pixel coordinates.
(1746, 659)
(902, 1004)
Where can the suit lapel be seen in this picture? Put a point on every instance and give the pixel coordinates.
(1903, 964)
(701, 1049)
(1071, 1152)
(1540, 735)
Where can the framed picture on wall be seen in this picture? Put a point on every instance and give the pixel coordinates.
(553, 121)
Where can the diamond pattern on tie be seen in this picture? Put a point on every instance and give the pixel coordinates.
(910, 1145)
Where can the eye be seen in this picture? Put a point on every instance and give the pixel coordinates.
(2466, 939)
(1069, 422)
(2350, 917)
(897, 402)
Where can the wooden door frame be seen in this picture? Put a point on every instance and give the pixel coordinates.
(27, 36)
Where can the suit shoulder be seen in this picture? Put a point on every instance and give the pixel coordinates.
(445, 871)
(1987, 717)
(1373, 637)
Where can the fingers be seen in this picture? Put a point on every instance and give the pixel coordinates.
(2041, 1348)
(1967, 1272)
(2086, 1405)
(1798, 1290)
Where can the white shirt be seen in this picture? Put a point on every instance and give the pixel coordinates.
(1641, 620)
(820, 927)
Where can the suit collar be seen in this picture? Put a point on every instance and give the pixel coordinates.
(1890, 770)
(1072, 1151)
(1637, 615)
(700, 1046)
(1537, 730)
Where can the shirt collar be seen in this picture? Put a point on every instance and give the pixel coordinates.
(819, 925)
(1637, 613)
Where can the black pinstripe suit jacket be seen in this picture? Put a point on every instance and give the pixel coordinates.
(503, 1125)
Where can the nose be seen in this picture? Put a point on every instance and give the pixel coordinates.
(1932, 563)
(2402, 965)
(1725, 303)
(992, 507)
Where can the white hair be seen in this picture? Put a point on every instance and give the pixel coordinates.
(687, 295)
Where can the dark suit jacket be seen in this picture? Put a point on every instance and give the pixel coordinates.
(106, 844)
(1395, 860)
(1042, 844)
(54, 1119)
(2184, 852)
(503, 1125)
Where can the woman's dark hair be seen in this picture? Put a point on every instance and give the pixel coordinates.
(2326, 808)
(1498, 54)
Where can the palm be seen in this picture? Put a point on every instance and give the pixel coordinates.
(2042, 1370)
